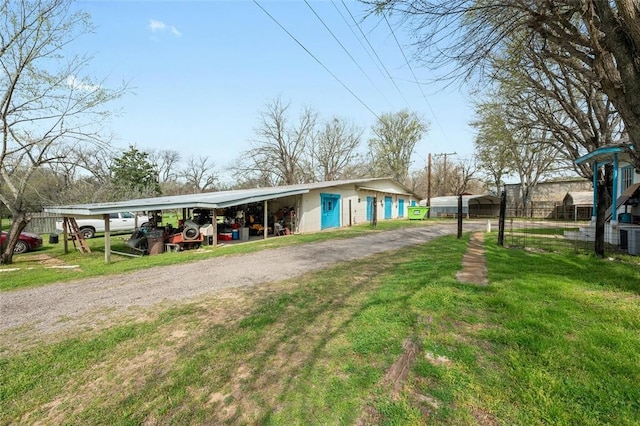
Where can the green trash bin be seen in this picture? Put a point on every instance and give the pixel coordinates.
(417, 212)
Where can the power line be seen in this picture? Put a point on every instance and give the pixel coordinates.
(317, 60)
(414, 75)
(364, 48)
(346, 51)
(376, 54)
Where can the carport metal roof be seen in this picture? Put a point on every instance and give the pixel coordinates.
(452, 200)
(209, 200)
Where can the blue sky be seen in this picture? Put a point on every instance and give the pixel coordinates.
(201, 71)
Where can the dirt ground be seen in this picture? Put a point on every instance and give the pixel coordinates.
(88, 303)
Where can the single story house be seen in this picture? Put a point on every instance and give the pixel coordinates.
(303, 208)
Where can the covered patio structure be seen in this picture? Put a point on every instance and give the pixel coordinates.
(211, 201)
(472, 206)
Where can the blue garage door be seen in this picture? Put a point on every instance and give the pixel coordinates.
(330, 205)
(388, 204)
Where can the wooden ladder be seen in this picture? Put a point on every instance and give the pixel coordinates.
(71, 226)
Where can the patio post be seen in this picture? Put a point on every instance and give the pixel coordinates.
(614, 192)
(594, 211)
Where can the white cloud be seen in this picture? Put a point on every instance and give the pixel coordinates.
(159, 26)
(76, 83)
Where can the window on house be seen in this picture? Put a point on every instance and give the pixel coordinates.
(627, 177)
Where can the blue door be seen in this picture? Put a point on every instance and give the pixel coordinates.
(401, 207)
(388, 204)
(330, 206)
(369, 208)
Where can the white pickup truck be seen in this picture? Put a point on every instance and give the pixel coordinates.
(118, 222)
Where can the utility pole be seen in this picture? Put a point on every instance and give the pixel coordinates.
(445, 155)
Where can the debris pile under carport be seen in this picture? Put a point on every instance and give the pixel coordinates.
(158, 240)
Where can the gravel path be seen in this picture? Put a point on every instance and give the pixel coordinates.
(54, 307)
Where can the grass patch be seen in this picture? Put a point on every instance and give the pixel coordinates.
(35, 268)
(554, 339)
(545, 231)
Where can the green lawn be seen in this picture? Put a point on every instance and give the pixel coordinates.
(554, 339)
(43, 266)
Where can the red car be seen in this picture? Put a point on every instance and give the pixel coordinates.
(26, 242)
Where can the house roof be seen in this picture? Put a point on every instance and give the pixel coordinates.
(452, 200)
(213, 200)
(582, 198)
(605, 154)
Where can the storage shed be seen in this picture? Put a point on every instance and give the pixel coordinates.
(472, 206)
(579, 204)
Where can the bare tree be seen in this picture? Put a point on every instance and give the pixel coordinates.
(520, 148)
(597, 39)
(418, 181)
(277, 154)
(394, 139)
(199, 174)
(550, 96)
(540, 93)
(492, 154)
(333, 150)
(535, 160)
(45, 103)
(462, 180)
(165, 161)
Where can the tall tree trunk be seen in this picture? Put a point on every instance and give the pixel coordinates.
(604, 201)
(20, 221)
(600, 212)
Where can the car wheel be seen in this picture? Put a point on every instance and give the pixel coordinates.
(87, 233)
(21, 247)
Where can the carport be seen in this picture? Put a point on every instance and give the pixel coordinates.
(213, 201)
(472, 206)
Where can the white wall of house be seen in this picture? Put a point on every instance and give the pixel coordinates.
(311, 213)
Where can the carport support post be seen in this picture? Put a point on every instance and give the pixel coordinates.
(265, 220)
(107, 239)
(214, 221)
(65, 234)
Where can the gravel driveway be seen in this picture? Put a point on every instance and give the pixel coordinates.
(57, 306)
